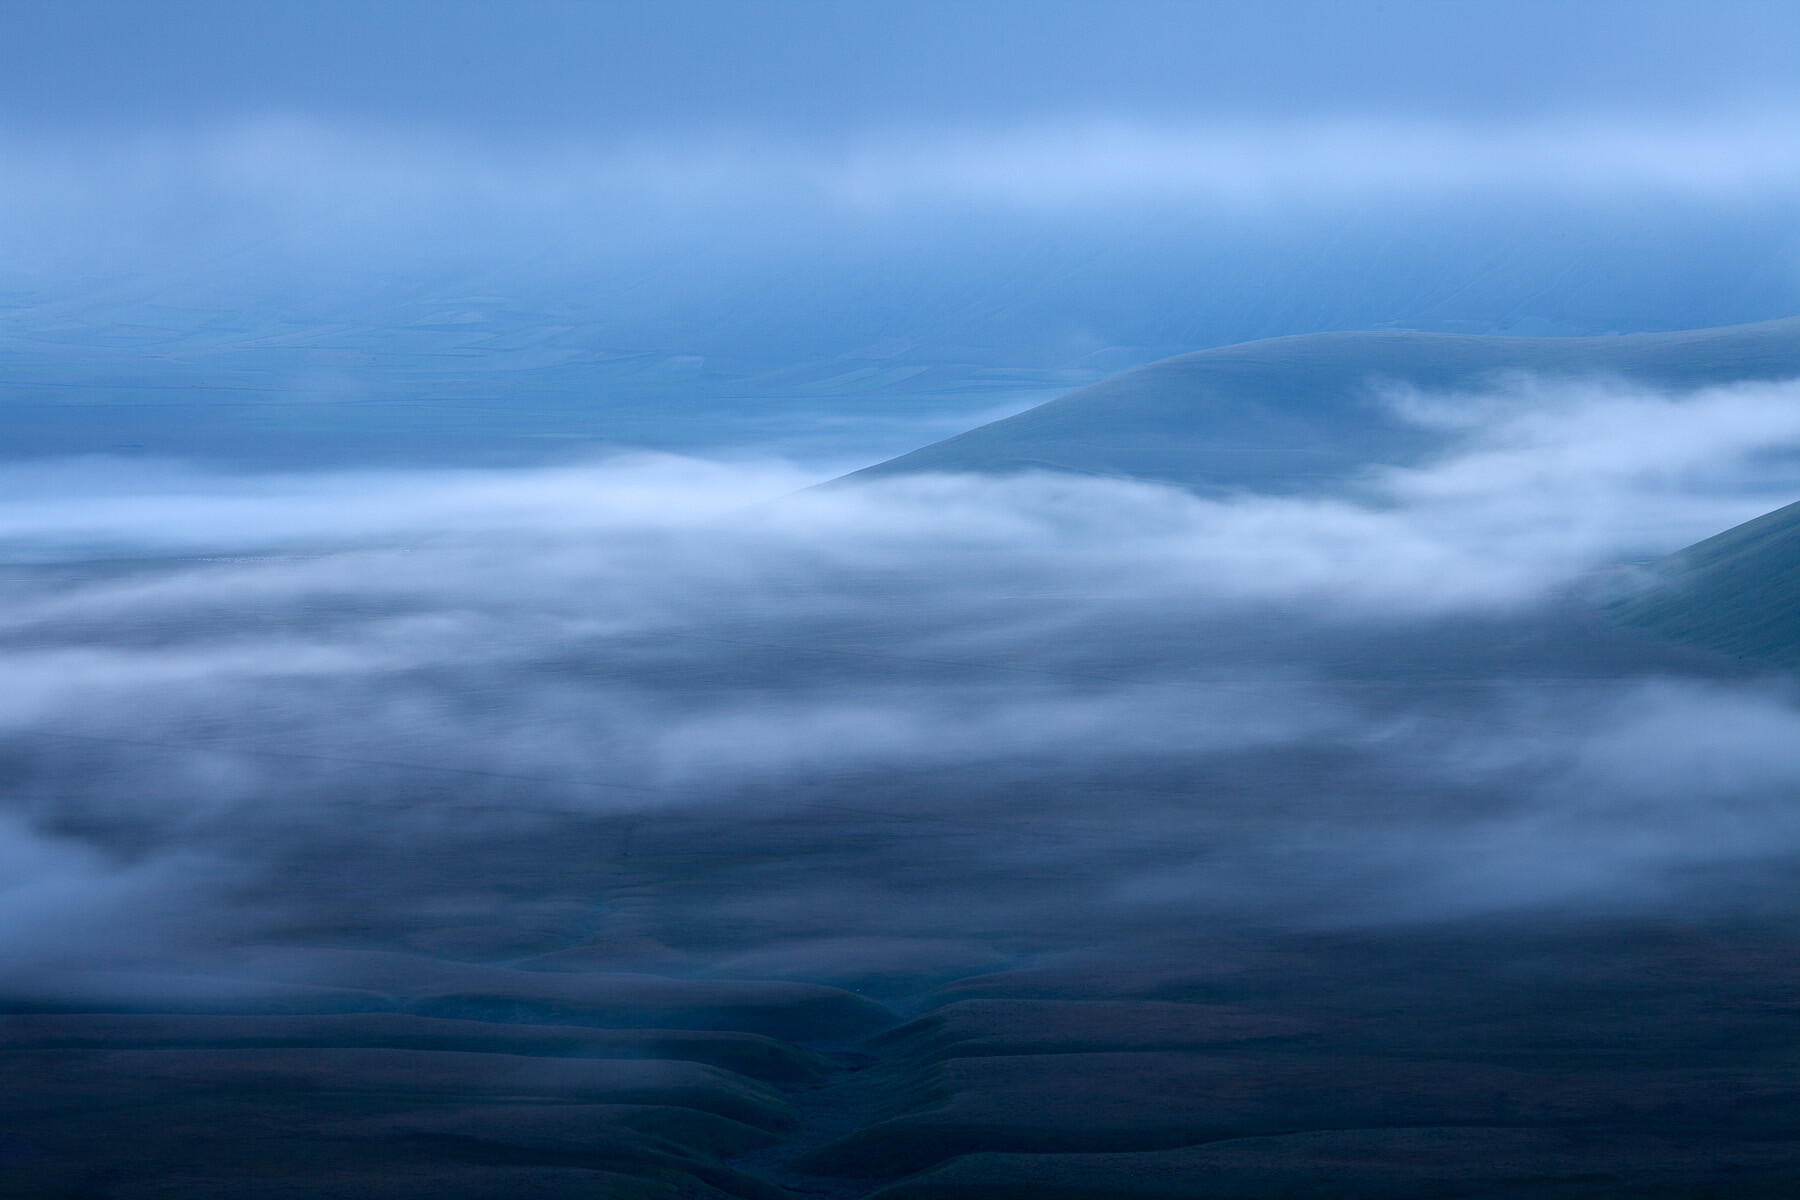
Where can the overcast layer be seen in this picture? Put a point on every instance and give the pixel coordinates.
(823, 67)
(589, 202)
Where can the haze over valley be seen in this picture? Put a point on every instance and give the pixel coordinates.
(778, 607)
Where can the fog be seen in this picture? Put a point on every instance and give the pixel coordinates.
(291, 293)
(247, 708)
(473, 727)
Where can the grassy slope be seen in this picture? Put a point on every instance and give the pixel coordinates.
(1738, 592)
(1291, 413)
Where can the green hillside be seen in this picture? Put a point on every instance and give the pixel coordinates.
(1293, 413)
(1738, 592)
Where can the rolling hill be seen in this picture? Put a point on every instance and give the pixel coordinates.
(1738, 591)
(1292, 414)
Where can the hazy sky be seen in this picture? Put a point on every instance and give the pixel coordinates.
(802, 69)
(729, 191)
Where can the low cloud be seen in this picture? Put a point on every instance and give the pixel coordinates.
(325, 261)
(1202, 701)
(358, 173)
(1727, 157)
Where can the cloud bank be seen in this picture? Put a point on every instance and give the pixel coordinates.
(240, 671)
(364, 172)
(310, 259)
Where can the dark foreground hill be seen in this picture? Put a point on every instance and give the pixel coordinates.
(1738, 591)
(1289, 414)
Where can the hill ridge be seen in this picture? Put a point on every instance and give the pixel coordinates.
(1291, 413)
(1737, 592)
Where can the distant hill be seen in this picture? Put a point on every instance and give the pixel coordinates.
(1292, 414)
(1738, 592)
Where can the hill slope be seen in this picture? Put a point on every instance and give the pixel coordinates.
(1289, 414)
(1738, 591)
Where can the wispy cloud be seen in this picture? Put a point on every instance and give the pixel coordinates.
(1725, 158)
(359, 172)
(276, 661)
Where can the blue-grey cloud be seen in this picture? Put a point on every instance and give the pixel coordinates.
(213, 676)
